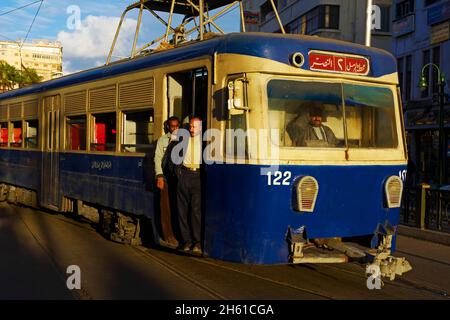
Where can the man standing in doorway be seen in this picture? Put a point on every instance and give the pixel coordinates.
(189, 189)
(165, 182)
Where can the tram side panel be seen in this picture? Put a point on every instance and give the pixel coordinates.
(21, 169)
(247, 220)
(116, 182)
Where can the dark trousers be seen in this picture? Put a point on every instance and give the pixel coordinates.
(189, 205)
(166, 213)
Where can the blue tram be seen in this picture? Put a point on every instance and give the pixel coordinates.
(84, 143)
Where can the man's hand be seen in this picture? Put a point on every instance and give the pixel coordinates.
(160, 183)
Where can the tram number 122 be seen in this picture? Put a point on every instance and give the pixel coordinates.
(279, 178)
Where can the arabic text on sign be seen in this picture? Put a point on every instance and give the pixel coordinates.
(326, 62)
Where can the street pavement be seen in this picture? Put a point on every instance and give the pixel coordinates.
(37, 248)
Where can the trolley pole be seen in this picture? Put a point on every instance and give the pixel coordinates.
(369, 23)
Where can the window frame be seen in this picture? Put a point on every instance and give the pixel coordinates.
(11, 141)
(7, 134)
(26, 138)
(122, 116)
(66, 136)
(92, 130)
(298, 154)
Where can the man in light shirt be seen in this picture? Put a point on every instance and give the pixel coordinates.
(165, 182)
(189, 189)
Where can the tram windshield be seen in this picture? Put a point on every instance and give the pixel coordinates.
(331, 115)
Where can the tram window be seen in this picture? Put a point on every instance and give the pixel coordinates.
(370, 117)
(76, 133)
(31, 139)
(104, 137)
(137, 134)
(306, 114)
(236, 141)
(16, 134)
(3, 134)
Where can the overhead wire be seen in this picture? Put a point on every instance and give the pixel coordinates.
(28, 32)
(29, 28)
(19, 8)
(32, 22)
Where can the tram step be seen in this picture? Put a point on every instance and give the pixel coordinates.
(315, 255)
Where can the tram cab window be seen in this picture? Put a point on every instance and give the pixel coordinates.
(104, 135)
(306, 114)
(236, 142)
(137, 134)
(3, 134)
(32, 129)
(370, 117)
(311, 114)
(16, 134)
(76, 133)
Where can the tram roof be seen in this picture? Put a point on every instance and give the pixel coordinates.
(182, 6)
(276, 47)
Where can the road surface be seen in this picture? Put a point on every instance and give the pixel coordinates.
(37, 248)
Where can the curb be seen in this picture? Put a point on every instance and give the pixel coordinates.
(427, 235)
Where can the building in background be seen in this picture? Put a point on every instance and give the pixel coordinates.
(337, 19)
(43, 56)
(421, 33)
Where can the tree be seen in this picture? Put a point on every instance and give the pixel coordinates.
(7, 76)
(10, 77)
(29, 76)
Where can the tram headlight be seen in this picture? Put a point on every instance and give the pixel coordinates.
(307, 190)
(393, 189)
(297, 59)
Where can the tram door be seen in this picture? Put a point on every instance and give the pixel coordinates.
(50, 156)
(188, 94)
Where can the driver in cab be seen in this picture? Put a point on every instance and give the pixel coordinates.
(314, 133)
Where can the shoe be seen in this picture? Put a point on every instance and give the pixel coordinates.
(197, 249)
(173, 242)
(187, 247)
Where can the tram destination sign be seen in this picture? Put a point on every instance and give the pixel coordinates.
(338, 63)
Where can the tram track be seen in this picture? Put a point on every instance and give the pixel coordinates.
(171, 268)
(400, 282)
(210, 263)
(408, 284)
(424, 258)
(80, 294)
(280, 283)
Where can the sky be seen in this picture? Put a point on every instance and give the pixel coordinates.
(85, 28)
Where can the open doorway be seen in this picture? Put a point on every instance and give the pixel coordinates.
(188, 94)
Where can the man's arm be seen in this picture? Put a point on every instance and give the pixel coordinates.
(332, 140)
(159, 153)
(294, 132)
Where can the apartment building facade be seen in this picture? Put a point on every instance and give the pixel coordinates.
(421, 35)
(42, 55)
(337, 19)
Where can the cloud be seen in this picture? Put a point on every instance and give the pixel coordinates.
(94, 38)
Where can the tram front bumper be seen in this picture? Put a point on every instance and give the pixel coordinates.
(379, 261)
